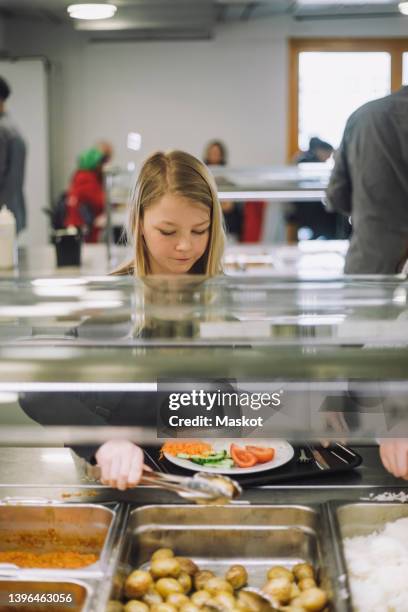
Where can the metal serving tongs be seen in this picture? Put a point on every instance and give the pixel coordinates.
(259, 600)
(202, 488)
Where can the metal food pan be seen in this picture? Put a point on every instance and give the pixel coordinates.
(83, 528)
(362, 519)
(61, 596)
(216, 537)
(357, 519)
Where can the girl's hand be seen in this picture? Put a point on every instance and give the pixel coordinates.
(394, 455)
(121, 464)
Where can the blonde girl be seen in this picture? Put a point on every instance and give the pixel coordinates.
(175, 218)
(176, 227)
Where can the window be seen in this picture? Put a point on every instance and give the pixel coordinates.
(330, 78)
(405, 68)
(332, 86)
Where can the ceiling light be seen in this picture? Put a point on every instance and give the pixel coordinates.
(91, 11)
(403, 7)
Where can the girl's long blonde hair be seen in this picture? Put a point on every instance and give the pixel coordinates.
(181, 174)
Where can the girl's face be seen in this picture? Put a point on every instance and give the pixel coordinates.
(176, 232)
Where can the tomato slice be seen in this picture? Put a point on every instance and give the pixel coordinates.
(242, 457)
(262, 453)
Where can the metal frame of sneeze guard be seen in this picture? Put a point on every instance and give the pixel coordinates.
(306, 338)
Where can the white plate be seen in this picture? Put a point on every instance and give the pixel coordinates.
(283, 454)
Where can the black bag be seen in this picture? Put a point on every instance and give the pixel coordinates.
(58, 212)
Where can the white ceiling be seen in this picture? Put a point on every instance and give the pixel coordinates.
(195, 15)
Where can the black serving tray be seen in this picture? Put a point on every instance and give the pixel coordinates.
(293, 470)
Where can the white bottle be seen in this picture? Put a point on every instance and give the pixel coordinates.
(7, 239)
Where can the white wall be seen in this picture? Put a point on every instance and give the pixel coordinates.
(28, 109)
(179, 96)
(176, 94)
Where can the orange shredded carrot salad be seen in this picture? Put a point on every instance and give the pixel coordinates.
(192, 447)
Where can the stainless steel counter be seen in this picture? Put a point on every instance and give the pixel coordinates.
(37, 475)
(40, 466)
(57, 473)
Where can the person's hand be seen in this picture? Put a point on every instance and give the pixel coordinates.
(227, 206)
(100, 221)
(394, 456)
(121, 463)
(336, 423)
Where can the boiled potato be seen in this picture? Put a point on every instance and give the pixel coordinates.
(279, 589)
(280, 572)
(306, 583)
(168, 567)
(177, 599)
(303, 570)
(163, 607)
(250, 602)
(201, 578)
(223, 600)
(313, 600)
(114, 606)
(152, 597)
(190, 607)
(162, 553)
(296, 602)
(165, 586)
(185, 581)
(237, 576)
(214, 585)
(200, 598)
(136, 606)
(187, 565)
(137, 584)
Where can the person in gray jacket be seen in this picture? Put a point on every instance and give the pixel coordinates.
(12, 162)
(370, 183)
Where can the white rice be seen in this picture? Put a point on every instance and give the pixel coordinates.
(378, 569)
(387, 496)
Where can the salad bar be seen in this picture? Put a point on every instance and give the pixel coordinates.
(279, 548)
(286, 557)
(307, 527)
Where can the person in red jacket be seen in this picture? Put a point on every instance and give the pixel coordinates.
(85, 202)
